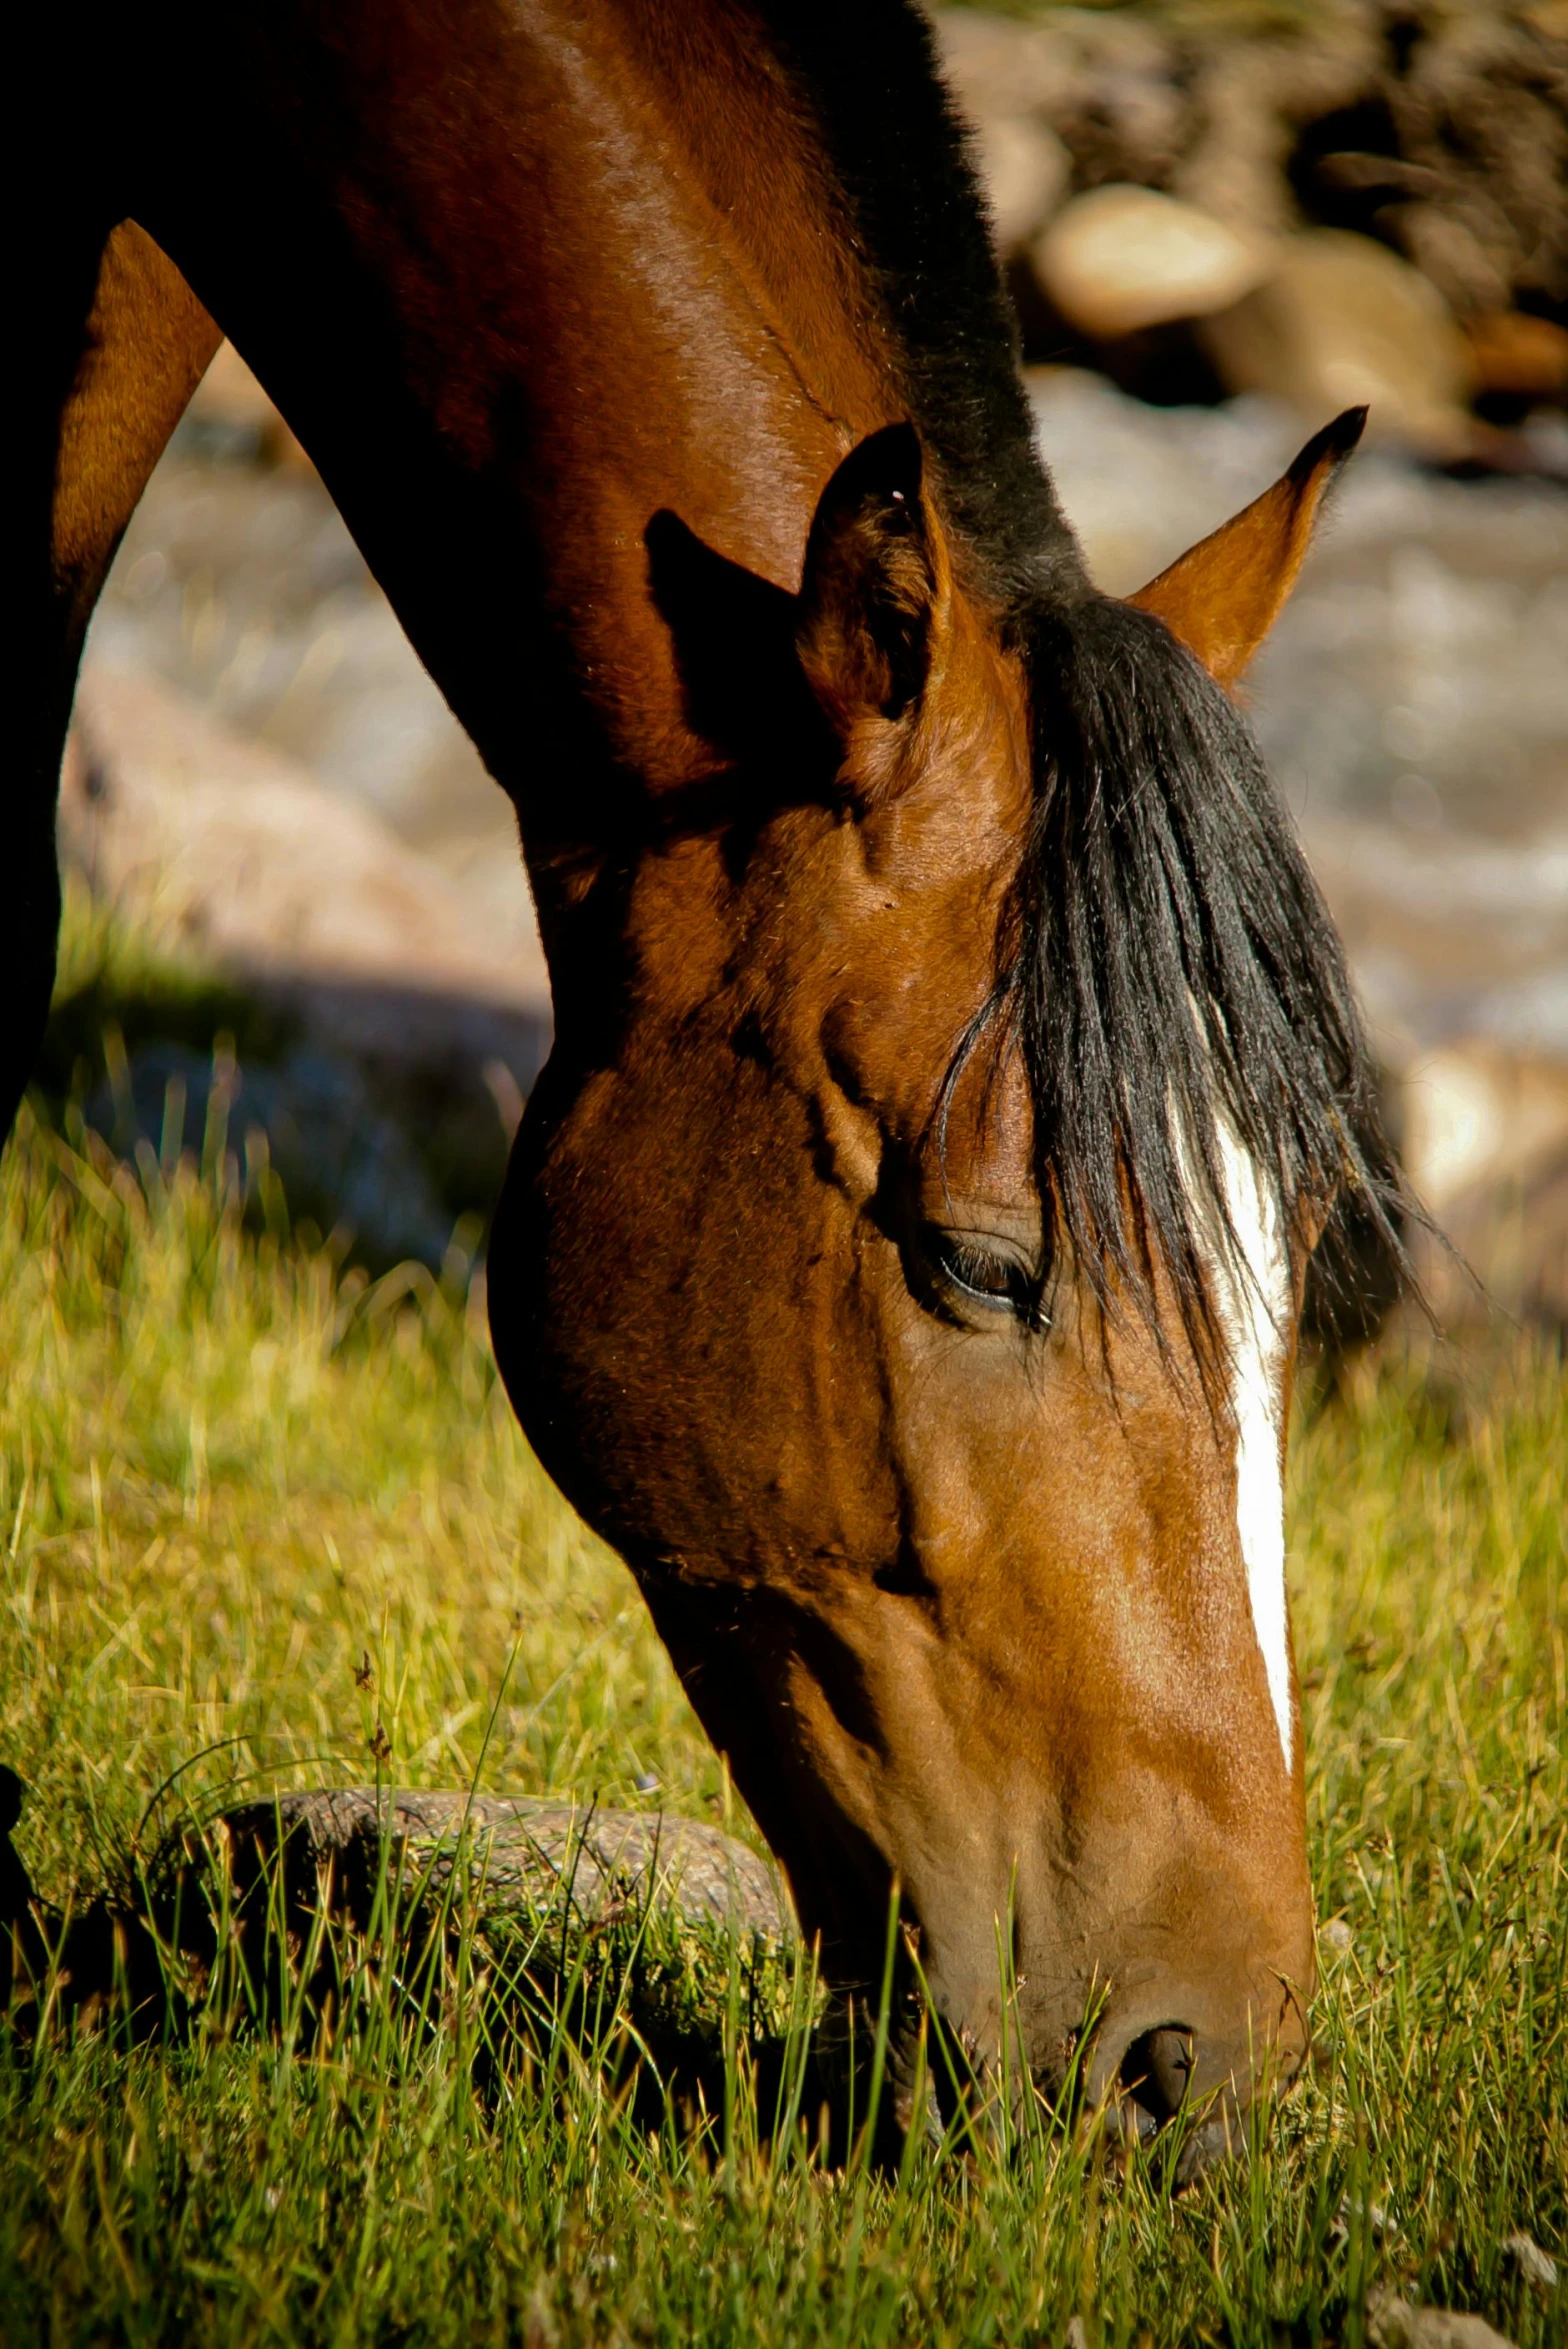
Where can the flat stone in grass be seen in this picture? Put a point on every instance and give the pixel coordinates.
(245, 1883)
(521, 1854)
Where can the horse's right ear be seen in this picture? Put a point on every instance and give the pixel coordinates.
(1224, 594)
(869, 587)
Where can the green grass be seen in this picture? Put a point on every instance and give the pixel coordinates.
(258, 1510)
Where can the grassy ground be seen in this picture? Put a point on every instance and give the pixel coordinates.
(256, 1510)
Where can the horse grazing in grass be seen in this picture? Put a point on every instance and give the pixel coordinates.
(902, 1253)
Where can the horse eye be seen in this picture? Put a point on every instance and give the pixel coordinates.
(986, 1276)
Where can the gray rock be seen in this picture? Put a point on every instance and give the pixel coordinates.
(533, 1855)
(1535, 2265)
(1393, 2323)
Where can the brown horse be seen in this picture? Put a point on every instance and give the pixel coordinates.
(902, 1253)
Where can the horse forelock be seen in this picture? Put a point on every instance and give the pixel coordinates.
(1171, 977)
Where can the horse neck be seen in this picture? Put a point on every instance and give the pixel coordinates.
(544, 272)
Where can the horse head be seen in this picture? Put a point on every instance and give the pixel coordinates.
(908, 1283)
(901, 1256)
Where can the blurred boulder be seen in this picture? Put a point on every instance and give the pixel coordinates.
(407, 1029)
(1124, 258)
(1004, 75)
(1109, 86)
(1342, 322)
(1122, 109)
(1436, 133)
(1250, 99)
(1485, 1144)
(1024, 170)
(1002, 65)
(176, 820)
(1455, 150)
(1475, 1113)
(1518, 356)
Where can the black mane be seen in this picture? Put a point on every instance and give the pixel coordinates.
(1166, 958)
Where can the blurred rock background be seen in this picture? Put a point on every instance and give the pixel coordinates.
(1222, 222)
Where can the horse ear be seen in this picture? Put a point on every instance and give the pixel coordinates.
(1223, 596)
(863, 619)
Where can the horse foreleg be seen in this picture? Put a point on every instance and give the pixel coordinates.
(111, 343)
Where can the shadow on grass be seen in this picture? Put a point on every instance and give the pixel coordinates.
(385, 1114)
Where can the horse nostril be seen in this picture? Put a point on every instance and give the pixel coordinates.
(1156, 2068)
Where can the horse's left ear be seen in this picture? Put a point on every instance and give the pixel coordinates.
(1223, 596)
(868, 589)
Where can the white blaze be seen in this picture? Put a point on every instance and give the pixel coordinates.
(1255, 1305)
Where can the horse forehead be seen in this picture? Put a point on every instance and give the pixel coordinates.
(899, 916)
(893, 989)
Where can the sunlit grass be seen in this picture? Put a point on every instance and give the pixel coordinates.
(232, 1477)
